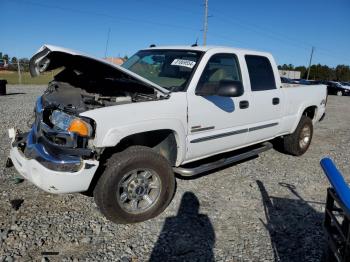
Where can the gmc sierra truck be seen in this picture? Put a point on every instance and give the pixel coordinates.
(122, 132)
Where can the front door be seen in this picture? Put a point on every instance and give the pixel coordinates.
(215, 123)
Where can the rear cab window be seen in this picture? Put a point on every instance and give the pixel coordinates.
(260, 73)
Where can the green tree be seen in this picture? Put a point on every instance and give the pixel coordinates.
(342, 72)
(321, 72)
(6, 57)
(12, 66)
(14, 60)
(325, 73)
(302, 70)
(24, 63)
(287, 67)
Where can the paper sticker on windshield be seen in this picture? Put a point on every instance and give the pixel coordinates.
(185, 63)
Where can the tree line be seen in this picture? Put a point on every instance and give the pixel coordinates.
(12, 62)
(321, 72)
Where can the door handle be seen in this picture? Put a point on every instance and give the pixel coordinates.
(275, 101)
(243, 104)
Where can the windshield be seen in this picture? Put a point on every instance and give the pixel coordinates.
(170, 69)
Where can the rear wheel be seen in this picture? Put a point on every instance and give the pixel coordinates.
(298, 142)
(339, 93)
(137, 184)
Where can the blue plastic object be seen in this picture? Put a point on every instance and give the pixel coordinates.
(337, 181)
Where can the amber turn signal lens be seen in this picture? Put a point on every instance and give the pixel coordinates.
(80, 127)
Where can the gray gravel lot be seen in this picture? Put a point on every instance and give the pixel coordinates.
(267, 209)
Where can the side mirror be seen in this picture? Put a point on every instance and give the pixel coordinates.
(230, 88)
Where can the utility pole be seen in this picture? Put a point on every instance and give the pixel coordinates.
(308, 71)
(205, 29)
(109, 32)
(19, 72)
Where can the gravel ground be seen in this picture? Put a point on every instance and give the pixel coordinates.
(267, 209)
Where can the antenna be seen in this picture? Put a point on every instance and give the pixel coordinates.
(196, 43)
(109, 32)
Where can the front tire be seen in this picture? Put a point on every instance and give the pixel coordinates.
(137, 185)
(298, 142)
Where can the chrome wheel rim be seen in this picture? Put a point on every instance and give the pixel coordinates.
(339, 93)
(138, 190)
(305, 137)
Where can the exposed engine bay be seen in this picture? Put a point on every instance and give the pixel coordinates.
(82, 83)
(75, 92)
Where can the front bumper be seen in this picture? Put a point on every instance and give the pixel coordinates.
(51, 179)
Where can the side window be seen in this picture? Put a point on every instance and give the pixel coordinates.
(219, 67)
(260, 73)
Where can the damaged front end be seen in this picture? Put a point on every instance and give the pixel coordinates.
(55, 160)
(58, 153)
(54, 147)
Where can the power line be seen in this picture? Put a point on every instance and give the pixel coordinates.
(267, 33)
(119, 18)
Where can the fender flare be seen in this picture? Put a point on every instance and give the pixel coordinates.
(300, 113)
(114, 135)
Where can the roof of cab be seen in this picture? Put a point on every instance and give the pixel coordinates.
(207, 48)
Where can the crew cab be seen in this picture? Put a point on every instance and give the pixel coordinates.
(122, 132)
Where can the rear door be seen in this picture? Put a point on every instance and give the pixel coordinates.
(266, 99)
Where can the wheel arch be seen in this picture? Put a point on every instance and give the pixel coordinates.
(163, 141)
(310, 112)
(113, 137)
(168, 142)
(307, 110)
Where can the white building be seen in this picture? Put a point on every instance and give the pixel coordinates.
(290, 74)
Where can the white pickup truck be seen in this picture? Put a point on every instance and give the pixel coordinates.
(122, 132)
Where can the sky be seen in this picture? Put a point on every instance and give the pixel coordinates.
(287, 29)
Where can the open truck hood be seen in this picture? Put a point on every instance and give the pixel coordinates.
(51, 57)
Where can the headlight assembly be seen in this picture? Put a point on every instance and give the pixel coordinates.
(71, 123)
(80, 127)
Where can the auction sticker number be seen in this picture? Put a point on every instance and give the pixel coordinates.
(185, 63)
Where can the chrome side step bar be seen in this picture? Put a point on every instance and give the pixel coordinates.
(183, 171)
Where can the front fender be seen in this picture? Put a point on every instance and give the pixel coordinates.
(114, 135)
(117, 122)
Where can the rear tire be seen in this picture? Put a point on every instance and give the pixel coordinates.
(137, 185)
(298, 142)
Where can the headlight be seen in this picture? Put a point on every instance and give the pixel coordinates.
(80, 127)
(70, 123)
